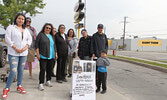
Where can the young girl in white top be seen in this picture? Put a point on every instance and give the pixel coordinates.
(18, 39)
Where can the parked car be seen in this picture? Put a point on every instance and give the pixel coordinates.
(3, 51)
(2, 37)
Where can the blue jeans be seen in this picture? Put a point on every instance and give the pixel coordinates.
(17, 64)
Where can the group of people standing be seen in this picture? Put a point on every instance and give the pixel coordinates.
(49, 46)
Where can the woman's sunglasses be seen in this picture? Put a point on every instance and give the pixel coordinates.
(48, 28)
(28, 21)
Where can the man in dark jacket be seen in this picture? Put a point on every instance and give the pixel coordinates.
(84, 48)
(99, 42)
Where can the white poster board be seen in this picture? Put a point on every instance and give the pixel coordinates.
(83, 80)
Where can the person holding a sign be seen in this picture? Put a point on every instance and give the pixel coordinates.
(102, 62)
(84, 51)
(99, 42)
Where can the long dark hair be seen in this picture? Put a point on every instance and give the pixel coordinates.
(60, 26)
(24, 24)
(68, 33)
(43, 28)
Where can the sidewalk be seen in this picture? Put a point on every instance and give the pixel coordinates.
(57, 92)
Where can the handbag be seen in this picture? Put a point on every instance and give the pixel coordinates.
(74, 53)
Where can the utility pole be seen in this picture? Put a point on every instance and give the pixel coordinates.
(124, 31)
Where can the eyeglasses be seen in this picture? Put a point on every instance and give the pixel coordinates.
(62, 28)
(48, 28)
(28, 21)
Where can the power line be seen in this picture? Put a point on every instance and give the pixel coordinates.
(164, 30)
(151, 34)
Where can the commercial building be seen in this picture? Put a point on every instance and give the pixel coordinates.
(139, 44)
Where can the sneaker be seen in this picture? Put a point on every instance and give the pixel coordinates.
(103, 92)
(21, 90)
(70, 75)
(59, 81)
(64, 80)
(48, 83)
(53, 75)
(5, 93)
(97, 90)
(41, 87)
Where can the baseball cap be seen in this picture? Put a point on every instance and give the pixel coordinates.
(100, 26)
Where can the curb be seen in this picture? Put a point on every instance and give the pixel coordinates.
(161, 69)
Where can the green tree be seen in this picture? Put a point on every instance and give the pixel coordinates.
(10, 8)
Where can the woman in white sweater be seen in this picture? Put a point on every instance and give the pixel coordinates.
(72, 48)
(18, 39)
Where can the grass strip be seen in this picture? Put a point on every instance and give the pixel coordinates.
(139, 60)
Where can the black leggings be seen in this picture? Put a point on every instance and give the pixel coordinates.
(45, 65)
(61, 61)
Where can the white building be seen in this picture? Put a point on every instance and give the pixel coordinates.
(140, 44)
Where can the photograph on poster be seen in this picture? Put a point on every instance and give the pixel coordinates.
(88, 67)
(77, 67)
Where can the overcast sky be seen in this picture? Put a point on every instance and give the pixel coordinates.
(145, 17)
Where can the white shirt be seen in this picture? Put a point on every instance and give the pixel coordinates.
(14, 36)
(63, 36)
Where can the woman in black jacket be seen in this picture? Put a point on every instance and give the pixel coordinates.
(61, 40)
(84, 50)
(46, 54)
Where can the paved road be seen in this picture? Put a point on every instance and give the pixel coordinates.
(136, 82)
(160, 56)
(125, 82)
(57, 92)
